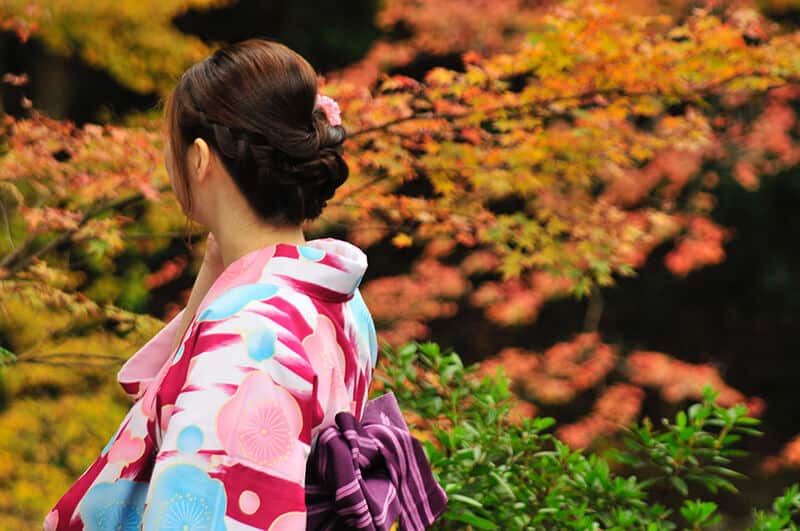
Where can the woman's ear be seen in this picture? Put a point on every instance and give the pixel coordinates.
(199, 159)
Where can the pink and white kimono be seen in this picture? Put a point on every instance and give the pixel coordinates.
(221, 429)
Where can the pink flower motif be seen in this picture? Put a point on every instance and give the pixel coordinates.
(264, 435)
(126, 448)
(331, 109)
(261, 423)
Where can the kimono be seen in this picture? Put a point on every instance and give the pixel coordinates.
(221, 428)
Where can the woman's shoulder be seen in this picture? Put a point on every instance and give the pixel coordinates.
(283, 305)
(259, 304)
(275, 324)
(259, 321)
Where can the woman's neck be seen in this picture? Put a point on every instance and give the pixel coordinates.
(237, 239)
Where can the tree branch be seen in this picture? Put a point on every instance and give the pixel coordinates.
(18, 260)
(594, 311)
(541, 103)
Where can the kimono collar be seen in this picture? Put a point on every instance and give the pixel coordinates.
(326, 269)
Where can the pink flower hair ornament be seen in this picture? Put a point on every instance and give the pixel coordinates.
(331, 108)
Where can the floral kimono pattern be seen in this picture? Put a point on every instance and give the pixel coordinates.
(221, 429)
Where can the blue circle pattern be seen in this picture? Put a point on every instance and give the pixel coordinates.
(365, 324)
(185, 497)
(235, 299)
(114, 506)
(261, 343)
(190, 439)
(311, 253)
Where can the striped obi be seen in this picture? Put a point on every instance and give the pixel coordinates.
(371, 474)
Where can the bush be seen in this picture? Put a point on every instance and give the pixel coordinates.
(501, 473)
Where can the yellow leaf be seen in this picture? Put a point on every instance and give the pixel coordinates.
(402, 240)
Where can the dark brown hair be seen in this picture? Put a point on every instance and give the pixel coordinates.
(253, 102)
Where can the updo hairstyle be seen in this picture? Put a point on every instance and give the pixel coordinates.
(253, 102)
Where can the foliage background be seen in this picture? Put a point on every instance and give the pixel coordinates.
(615, 252)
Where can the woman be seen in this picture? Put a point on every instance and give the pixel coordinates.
(275, 339)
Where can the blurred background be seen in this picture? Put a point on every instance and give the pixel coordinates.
(600, 197)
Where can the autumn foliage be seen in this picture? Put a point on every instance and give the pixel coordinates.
(570, 141)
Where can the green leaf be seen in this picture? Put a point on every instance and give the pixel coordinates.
(679, 484)
(472, 519)
(7, 357)
(466, 499)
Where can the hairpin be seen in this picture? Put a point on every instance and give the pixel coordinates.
(331, 109)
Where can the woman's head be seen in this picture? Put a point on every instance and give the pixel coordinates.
(253, 105)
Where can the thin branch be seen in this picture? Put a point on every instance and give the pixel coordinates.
(7, 259)
(7, 225)
(81, 359)
(66, 363)
(16, 265)
(361, 188)
(540, 103)
(68, 354)
(594, 311)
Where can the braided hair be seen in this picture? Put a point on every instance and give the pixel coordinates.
(254, 103)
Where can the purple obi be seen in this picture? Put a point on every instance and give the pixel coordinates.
(371, 474)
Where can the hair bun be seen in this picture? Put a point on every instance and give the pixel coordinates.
(328, 170)
(275, 142)
(321, 176)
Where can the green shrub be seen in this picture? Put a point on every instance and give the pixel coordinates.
(500, 474)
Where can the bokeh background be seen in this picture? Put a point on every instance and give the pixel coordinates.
(600, 197)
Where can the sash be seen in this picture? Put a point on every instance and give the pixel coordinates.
(371, 475)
